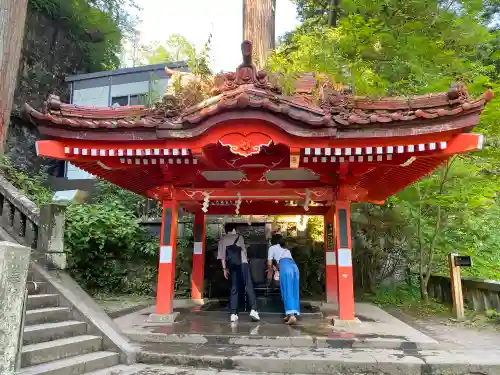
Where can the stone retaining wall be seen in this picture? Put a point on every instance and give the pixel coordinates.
(479, 295)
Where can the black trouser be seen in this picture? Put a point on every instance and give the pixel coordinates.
(241, 280)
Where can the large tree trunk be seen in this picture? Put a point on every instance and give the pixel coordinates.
(12, 21)
(259, 28)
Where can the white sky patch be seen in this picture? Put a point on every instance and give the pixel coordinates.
(196, 19)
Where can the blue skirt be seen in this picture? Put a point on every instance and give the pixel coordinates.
(289, 284)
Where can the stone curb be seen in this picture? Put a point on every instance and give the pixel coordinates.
(331, 361)
(278, 341)
(128, 310)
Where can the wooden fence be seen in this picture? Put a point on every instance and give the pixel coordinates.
(479, 295)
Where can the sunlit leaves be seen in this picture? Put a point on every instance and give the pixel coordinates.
(96, 27)
(388, 47)
(178, 48)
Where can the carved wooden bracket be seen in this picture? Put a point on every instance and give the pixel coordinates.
(246, 144)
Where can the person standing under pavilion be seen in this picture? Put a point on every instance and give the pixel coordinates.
(233, 255)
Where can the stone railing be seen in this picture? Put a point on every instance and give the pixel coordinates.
(479, 295)
(40, 229)
(20, 217)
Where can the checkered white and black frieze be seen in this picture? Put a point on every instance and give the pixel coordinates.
(138, 156)
(365, 154)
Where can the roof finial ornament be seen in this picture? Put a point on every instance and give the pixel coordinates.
(246, 51)
(245, 74)
(458, 92)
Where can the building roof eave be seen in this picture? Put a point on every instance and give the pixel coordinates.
(144, 68)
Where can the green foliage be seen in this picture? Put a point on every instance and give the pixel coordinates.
(108, 250)
(310, 258)
(32, 186)
(156, 53)
(457, 208)
(406, 298)
(108, 193)
(394, 296)
(391, 47)
(380, 239)
(178, 48)
(493, 315)
(315, 228)
(96, 27)
(387, 47)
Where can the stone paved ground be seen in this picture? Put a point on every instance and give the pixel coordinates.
(476, 334)
(167, 370)
(466, 348)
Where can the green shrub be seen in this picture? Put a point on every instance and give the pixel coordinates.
(108, 250)
(310, 258)
(394, 296)
(32, 186)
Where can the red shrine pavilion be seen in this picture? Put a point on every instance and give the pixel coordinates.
(249, 149)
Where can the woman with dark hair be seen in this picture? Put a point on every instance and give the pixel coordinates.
(289, 276)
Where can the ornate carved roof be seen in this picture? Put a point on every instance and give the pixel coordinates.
(315, 108)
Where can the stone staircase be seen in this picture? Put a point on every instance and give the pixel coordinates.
(55, 343)
(65, 331)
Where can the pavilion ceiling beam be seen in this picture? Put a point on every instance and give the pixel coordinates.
(270, 194)
(396, 179)
(268, 210)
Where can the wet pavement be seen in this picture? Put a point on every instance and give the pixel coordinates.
(209, 325)
(216, 323)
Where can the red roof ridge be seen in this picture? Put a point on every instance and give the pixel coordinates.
(54, 106)
(341, 112)
(317, 102)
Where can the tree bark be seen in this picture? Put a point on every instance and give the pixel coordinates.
(12, 22)
(333, 14)
(259, 18)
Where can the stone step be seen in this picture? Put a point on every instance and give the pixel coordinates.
(37, 287)
(134, 369)
(338, 341)
(142, 369)
(47, 315)
(321, 360)
(37, 333)
(54, 350)
(37, 301)
(75, 365)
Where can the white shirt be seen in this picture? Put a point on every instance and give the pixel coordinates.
(229, 239)
(277, 253)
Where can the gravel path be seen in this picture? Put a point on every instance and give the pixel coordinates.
(477, 334)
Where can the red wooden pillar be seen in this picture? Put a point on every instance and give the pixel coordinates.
(330, 257)
(344, 261)
(166, 267)
(198, 274)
